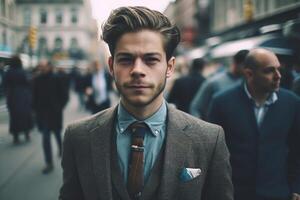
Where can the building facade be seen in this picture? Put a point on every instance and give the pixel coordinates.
(7, 26)
(64, 29)
(232, 13)
(191, 17)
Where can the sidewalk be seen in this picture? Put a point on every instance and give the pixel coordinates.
(20, 169)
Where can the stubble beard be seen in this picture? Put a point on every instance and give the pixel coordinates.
(140, 104)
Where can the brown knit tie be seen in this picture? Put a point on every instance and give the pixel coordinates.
(136, 163)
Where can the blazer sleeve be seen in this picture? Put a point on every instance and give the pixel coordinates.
(71, 188)
(219, 183)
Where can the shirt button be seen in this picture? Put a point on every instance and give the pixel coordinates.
(156, 131)
(122, 129)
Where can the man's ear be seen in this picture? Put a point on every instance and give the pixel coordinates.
(170, 67)
(248, 73)
(110, 65)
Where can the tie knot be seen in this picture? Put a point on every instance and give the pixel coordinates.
(138, 129)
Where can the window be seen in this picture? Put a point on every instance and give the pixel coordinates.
(42, 46)
(266, 6)
(58, 43)
(2, 8)
(74, 43)
(43, 16)
(4, 38)
(74, 17)
(59, 17)
(27, 16)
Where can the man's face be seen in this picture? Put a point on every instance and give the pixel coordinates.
(140, 68)
(266, 77)
(44, 67)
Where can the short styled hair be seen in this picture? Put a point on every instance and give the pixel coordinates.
(197, 65)
(133, 19)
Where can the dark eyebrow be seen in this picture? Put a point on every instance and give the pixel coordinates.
(152, 54)
(124, 54)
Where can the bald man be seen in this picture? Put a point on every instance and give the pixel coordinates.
(262, 130)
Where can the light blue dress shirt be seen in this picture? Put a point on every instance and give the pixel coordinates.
(153, 139)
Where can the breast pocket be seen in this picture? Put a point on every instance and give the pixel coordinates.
(192, 189)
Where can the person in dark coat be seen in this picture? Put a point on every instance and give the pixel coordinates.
(79, 86)
(49, 99)
(19, 99)
(262, 131)
(185, 88)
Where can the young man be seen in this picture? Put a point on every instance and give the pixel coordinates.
(182, 157)
(262, 129)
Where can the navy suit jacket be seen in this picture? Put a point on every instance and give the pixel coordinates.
(265, 160)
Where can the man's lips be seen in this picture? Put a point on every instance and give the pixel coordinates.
(138, 86)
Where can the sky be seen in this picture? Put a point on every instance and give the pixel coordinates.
(102, 8)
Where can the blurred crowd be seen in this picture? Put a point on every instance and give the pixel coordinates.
(38, 98)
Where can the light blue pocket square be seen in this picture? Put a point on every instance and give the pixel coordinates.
(188, 174)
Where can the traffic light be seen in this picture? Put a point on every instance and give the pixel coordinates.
(248, 10)
(32, 36)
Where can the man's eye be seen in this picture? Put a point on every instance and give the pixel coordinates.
(151, 60)
(124, 60)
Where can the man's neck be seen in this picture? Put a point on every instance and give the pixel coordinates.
(142, 112)
(259, 97)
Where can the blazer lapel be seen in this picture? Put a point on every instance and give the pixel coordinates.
(101, 152)
(177, 147)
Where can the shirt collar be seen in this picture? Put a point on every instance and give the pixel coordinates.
(155, 122)
(271, 99)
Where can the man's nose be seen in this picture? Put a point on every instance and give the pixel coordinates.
(138, 68)
(277, 74)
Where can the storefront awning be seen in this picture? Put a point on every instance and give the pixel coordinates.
(275, 43)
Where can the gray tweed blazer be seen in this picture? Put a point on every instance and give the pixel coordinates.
(191, 144)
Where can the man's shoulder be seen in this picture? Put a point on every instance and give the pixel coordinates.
(229, 92)
(287, 95)
(218, 77)
(195, 127)
(214, 80)
(85, 125)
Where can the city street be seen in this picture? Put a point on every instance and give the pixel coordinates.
(20, 168)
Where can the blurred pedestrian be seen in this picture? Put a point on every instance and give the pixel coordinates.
(49, 100)
(98, 88)
(65, 81)
(181, 69)
(220, 81)
(143, 148)
(262, 131)
(79, 86)
(185, 88)
(296, 86)
(296, 73)
(18, 99)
